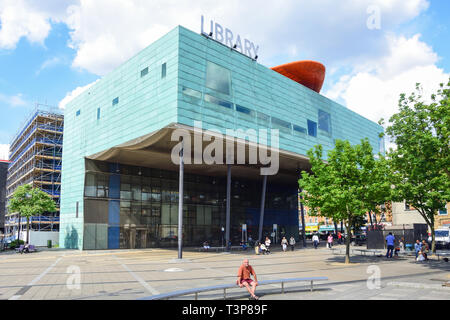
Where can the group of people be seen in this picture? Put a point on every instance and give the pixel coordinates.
(330, 240)
(264, 247)
(421, 248)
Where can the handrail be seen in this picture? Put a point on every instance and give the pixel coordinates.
(196, 291)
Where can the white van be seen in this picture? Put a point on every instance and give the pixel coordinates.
(442, 237)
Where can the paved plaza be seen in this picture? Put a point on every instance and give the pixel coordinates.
(132, 274)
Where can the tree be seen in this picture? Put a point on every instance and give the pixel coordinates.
(29, 202)
(345, 187)
(421, 162)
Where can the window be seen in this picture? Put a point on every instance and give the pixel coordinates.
(324, 121)
(163, 70)
(115, 101)
(98, 113)
(263, 119)
(220, 102)
(312, 128)
(245, 110)
(78, 113)
(218, 78)
(381, 142)
(299, 129)
(443, 211)
(281, 124)
(192, 93)
(144, 72)
(407, 206)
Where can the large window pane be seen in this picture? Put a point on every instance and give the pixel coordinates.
(91, 188)
(324, 121)
(312, 128)
(218, 78)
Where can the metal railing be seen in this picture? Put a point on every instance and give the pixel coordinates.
(224, 287)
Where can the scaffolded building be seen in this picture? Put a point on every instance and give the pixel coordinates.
(35, 159)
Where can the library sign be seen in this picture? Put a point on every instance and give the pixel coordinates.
(226, 37)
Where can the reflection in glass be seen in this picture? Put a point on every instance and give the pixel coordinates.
(218, 78)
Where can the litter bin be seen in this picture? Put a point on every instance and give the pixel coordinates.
(49, 243)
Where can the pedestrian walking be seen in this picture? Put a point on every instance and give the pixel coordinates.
(267, 243)
(315, 240)
(390, 241)
(339, 237)
(330, 240)
(292, 243)
(244, 278)
(284, 244)
(417, 248)
(424, 249)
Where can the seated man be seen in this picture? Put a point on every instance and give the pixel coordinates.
(263, 248)
(206, 245)
(244, 278)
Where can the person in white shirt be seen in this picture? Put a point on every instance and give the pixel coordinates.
(267, 243)
(315, 240)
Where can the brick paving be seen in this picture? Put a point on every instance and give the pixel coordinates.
(133, 274)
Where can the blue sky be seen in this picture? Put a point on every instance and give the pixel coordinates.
(51, 49)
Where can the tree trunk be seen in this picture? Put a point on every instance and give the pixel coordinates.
(28, 228)
(18, 231)
(370, 218)
(335, 227)
(348, 239)
(433, 238)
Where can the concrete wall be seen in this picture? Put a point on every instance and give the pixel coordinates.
(39, 238)
(401, 216)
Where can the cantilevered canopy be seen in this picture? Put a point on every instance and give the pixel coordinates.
(154, 150)
(311, 74)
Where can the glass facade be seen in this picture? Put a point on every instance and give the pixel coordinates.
(137, 207)
(218, 78)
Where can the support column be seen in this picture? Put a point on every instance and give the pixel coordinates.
(180, 207)
(302, 212)
(227, 228)
(261, 214)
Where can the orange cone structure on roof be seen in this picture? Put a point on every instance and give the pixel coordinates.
(309, 73)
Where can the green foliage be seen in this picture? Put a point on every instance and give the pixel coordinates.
(346, 186)
(15, 244)
(421, 162)
(28, 202)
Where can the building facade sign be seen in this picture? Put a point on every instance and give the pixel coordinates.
(226, 37)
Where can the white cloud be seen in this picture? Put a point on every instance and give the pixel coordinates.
(4, 151)
(49, 63)
(73, 94)
(29, 19)
(105, 33)
(373, 90)
(14, 101)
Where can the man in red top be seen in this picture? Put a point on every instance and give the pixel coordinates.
(244, 279)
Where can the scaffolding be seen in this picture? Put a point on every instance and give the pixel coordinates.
(35, 159)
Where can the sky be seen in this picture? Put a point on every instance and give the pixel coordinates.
(374, 50)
